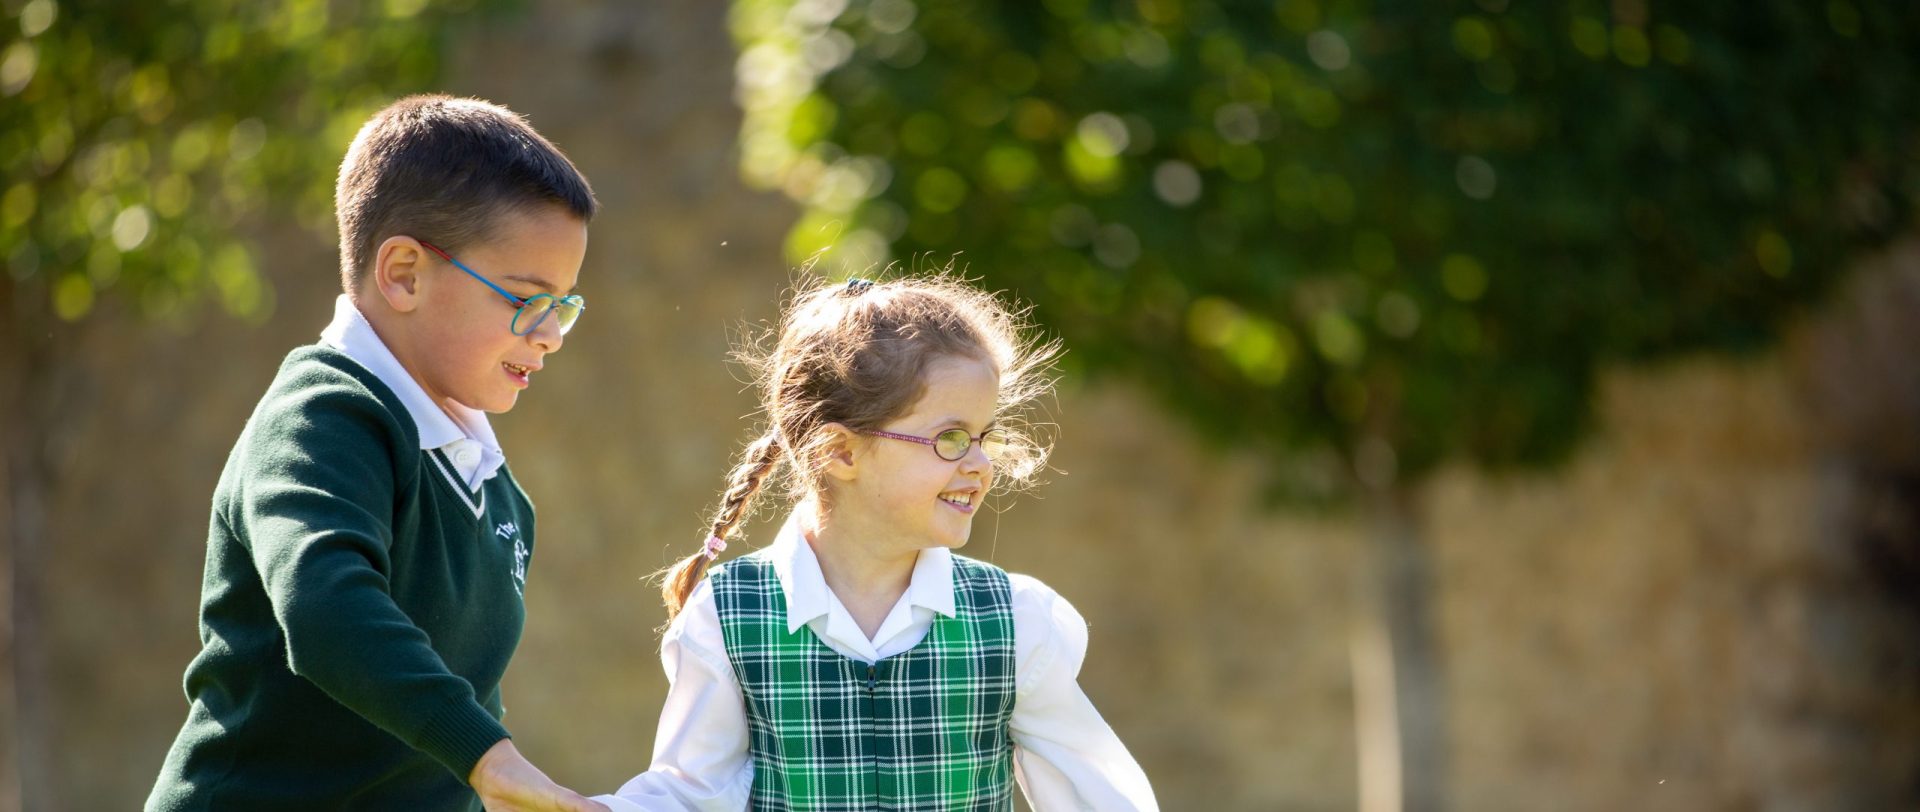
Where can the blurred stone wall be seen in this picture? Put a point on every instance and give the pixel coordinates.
(1711, 607)
(1714, 605)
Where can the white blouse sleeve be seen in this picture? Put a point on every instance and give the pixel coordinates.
(1066, 758)
(700, 757)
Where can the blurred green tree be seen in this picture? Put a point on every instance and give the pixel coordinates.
(1362, 238)
(141, 144)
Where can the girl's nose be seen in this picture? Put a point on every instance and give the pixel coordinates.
(976, 460)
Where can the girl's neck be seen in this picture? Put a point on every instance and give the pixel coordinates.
(862, 572)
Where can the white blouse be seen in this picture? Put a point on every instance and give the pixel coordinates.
(1065, 755)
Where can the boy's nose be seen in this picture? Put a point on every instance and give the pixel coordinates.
(547, 336)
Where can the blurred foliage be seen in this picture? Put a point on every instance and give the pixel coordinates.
(136, 137)
(1374, 235)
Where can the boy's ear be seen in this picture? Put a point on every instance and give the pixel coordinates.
(837, 452)
(397, 267)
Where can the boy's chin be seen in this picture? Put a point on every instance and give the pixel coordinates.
(496, 404)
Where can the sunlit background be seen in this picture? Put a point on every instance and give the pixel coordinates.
(1473, 406)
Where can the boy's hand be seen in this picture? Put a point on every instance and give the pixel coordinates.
(507, 782)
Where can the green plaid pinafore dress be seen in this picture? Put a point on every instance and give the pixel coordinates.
(923, 730)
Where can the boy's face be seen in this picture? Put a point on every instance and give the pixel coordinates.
(461, 340)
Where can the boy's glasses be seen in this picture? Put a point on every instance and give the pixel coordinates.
(534, 309)
(953, 444)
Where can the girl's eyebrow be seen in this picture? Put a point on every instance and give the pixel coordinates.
(956, 422)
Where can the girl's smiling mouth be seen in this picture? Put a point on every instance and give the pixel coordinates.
(961, 500)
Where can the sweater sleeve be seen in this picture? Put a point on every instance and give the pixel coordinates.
(315, 511)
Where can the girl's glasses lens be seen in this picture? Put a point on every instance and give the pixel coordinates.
(952, 444)
(994, 443)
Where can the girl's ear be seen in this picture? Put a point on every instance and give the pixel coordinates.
(838, 450)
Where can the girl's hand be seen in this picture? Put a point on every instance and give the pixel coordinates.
(507, 782)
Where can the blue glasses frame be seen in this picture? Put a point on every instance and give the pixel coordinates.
(543, 304)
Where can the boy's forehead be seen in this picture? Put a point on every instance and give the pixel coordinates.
(542, 248)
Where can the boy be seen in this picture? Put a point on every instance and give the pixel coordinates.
(368, 546)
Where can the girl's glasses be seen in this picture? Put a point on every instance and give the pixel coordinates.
(953, 444)
(534, 309)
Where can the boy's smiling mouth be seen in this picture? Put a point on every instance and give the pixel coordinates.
(519, 372)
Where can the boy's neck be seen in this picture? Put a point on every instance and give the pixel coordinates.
(867, 578)
(393, 336)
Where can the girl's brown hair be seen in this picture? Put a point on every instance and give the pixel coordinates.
(855, 354)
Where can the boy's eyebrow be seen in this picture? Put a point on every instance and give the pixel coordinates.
(538, 283)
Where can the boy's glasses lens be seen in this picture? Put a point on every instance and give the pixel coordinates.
(541, 307)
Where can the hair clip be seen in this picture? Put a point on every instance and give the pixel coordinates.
(857, 286)
(714, 545)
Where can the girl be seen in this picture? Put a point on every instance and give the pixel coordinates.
(857, 663)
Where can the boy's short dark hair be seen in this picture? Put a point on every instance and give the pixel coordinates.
(444, 170)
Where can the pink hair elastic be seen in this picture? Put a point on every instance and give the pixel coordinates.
(714, 545)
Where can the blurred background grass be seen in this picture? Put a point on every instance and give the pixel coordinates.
(1472, 406)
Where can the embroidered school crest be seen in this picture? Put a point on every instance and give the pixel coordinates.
(510, 530)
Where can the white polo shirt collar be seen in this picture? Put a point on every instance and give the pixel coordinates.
(463, 434)
(811, 602)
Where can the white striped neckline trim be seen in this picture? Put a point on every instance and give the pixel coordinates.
(476, 500)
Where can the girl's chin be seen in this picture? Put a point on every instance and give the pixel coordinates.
(954, 542)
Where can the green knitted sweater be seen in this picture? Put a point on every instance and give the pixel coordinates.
(359, 607)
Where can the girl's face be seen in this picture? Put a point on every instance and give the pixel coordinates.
(901, 493)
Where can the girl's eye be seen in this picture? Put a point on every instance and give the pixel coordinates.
(952, 443)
